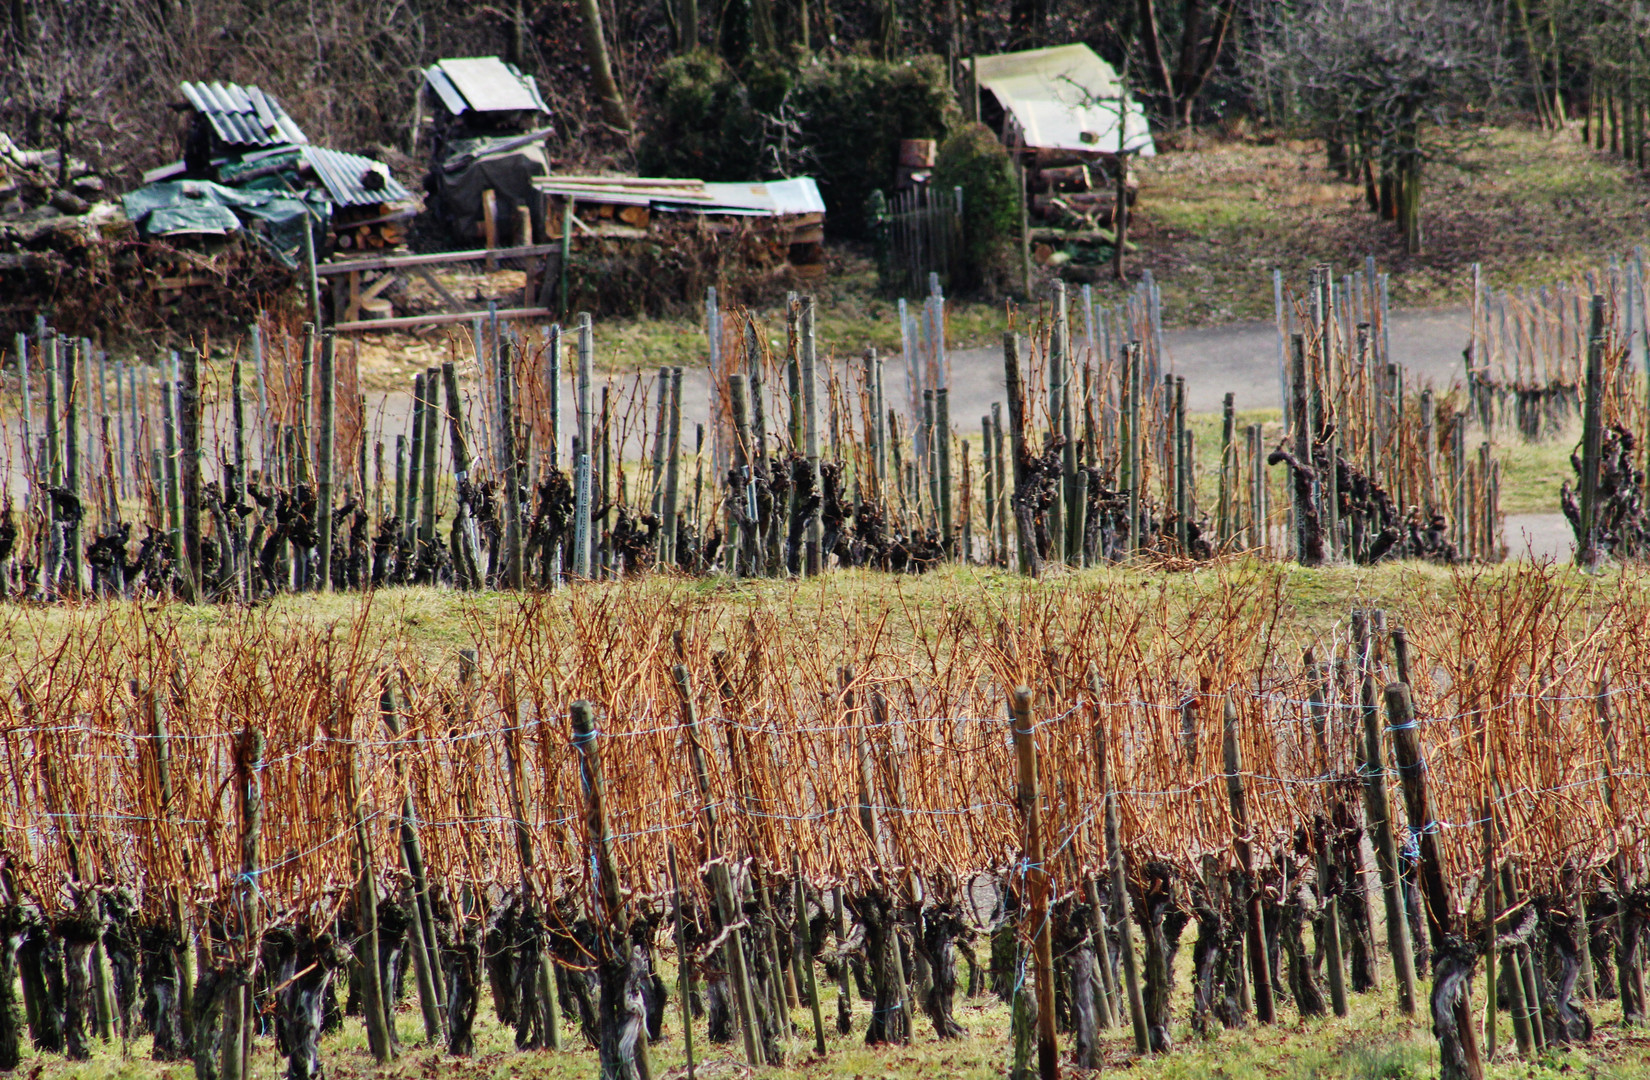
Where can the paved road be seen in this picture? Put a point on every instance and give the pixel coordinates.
(1240, 358)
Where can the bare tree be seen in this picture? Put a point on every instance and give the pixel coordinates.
(1391, 84)
(1203, 28)
(601, 68)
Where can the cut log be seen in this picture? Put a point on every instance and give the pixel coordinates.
(1073, 178)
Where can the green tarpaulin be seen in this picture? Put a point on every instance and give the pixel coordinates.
(276, 219)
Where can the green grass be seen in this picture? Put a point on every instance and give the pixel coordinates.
(1530, 207)
(1375, 1042)
(851, 314)
(1532, 473)
(431, 625)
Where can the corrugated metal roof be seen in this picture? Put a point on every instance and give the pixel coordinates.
(776, 198)
(243, 116)
(1066, 98)
(484, 84)
(341, 174)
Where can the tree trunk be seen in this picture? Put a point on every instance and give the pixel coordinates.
(601, 68)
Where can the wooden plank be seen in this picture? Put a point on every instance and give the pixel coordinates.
(372, 291)
(446, 297)
(352, 310)
(442, 319)
(393, 262)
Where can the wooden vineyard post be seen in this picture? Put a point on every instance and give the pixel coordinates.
(1119, 884)
(426, 964)
(732, 950)
(1228, 470)
(415, 461)
(463, 546)
(1260, 974)
(366, 902)
(323, 463)
(839, 933)
(656, 490)
(1454, 961)
(602, 555)
(684, 970)
(990, 490)
(742, 510)
(1331, 923)
(1133, 444)
(513, 568)
(581, 462)
(1038, 882)
(1304, 479)
(613, 921)
(52, 470)
(673, 467)
(1629, 949)
(996, 450)
(1386, 849)
(1492, 903)
(234, 1047)
(1025, 535)
(813, 557)
(236, 488)
(942, 433)
(76, 407)
(1256, 455)
(189, 472)
(1592, 438)
(1059, 422)
(807, 954)
(1330, 918)
(1175, 395)
(432, 447)
(515, 757)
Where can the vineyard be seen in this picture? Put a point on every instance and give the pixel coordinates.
(633, 793)
(210, 837)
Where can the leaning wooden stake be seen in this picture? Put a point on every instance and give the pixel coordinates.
(366, 901)
(1453, 957)
(189, 473)
(1120, 884)
(1386, 850)
(1260, 972)
(733, 950)
(807, 953)
(623, 1054)
(684, 970)
(1018, 498)
(1038, 882)
(323, 463)
(1592, 439)
(426, 965)
(512, 484)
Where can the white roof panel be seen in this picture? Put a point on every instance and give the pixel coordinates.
(490, 85)
(1065, 98)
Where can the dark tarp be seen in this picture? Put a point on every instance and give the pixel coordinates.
(276, 219)
(509, 173)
